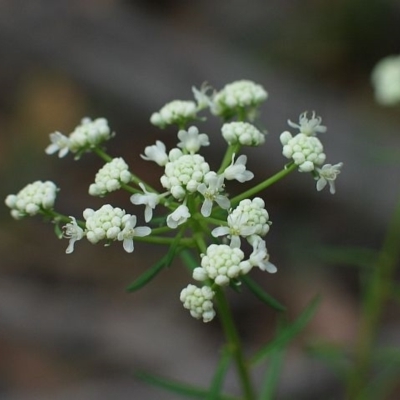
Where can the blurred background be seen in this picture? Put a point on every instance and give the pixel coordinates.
(68, 329)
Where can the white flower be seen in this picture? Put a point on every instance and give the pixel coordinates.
(237, 170)
(236, 96)
(260, 257)
(386, 80)
(184, 174)
(60, 143)
(149, 199)
(73, 232)
(156, 153)
(129, 232)
(306, 151)
(203, 100)
(176, 112)
(243, 133)
(110, 177)
(237, 226)
(309, 127)
(199, 302)
(328, 174)
(112, 223)
(221, 263)
(211, 193)
(178, 217)
(191, 140)
(31, 199)
(89, 134)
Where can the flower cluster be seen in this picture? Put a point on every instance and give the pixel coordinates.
(32, 199)
(110, 177)
(194, 196)
(85, 136)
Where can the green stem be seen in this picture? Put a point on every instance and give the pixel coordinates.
(232, 149)
(263, 185)
(377, 292)
(234, 343)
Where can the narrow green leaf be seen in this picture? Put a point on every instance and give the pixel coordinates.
(289, 332)
(178, 388)
(262, 295)
(355, 256)
(147, 276)
(58, 231)
(270, 385)
(220, 372)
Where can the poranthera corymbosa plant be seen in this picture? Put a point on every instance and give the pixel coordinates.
(220, 238)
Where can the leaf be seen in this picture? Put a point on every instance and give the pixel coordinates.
(218, 380)
(289, 332)
(179, 388)
(262, 295)
(355, 256)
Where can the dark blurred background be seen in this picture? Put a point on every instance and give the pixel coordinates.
(68, 329)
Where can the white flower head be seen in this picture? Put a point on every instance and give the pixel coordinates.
(60, 143)
(212, 192)
(110, 177)
(309, 127)
(242, 95)
(221, 263)
(149, 199)
(156, 153)
(31, 199)
(328, 174)
(306, 151)
(237, 170)
(73, 232)
(184, 174)
(199, 302)
(89, 133)
(243, 133)
(177, 112)
(260, 257)
(386, 80)
(112, 223)
(178, 217)
(191, 140)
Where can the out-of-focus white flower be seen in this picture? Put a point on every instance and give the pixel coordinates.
(191, 140)
(243, 133)
(202, 98)
(260, 257)
(110, 177)
(184, 174)
(306, 151)
(60, 143)
(73, 232)
(178, 217)
(112, 223)
(89, 134)
(221, 263)
(309, 127)
(177, 112)
(386, 80)
(199, 302)
(242, 95)
(129, 232)
(156, 153)
(328, 174)
(237, 170)
(31, 199)
(212, 192)
(149, 199)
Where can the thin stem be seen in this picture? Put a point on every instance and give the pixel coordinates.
(263, 185)
(377, 292)
(234, 343)
(232, 149)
